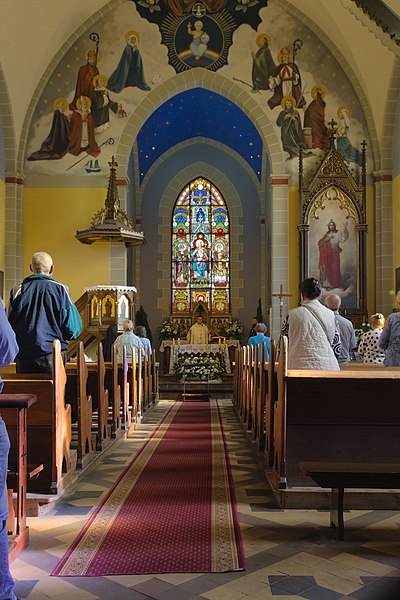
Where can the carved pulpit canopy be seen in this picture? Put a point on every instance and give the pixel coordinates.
(111, 224)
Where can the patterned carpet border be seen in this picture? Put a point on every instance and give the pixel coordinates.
(135, 540)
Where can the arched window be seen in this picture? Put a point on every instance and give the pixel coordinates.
(200, 249)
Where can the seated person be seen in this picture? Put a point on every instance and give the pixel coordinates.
(111, 336)
(260, 337)
(128, 340)
(198, 333)
(142, 334)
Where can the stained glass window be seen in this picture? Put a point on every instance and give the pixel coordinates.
(200, 249)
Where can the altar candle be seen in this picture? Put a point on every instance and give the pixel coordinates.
(173, 342)
(179, 342)
(224, 342)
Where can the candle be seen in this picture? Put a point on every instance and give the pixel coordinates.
(224, 342)
(179, 342)
(173, 342)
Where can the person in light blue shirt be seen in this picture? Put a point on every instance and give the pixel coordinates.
(260, 337)
(128, 340)
(142, 334)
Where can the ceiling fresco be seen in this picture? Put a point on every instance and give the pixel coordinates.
(296, 85)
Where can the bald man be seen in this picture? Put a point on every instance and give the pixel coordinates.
(347, 334)
(40, 310)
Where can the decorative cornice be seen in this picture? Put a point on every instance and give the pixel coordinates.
(379, 20)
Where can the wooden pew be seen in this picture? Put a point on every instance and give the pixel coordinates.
(115, 389)
(100, 400)
(17, 471)
(270, 399)
(49, 424)
(155, 387)
(333, 416)
(78, 397)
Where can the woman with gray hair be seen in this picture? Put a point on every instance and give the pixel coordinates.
(142, 334)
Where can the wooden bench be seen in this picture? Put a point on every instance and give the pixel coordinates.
(335, 417)
(81, 402)
(18, 469)
(339, 476)
(49, 424)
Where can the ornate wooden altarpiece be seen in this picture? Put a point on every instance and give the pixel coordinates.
(109, 305)
(333, 229)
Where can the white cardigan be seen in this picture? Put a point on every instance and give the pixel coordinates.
(309, 347)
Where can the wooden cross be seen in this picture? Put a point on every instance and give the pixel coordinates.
(281, 296)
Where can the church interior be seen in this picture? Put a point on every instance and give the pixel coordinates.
(180, 159)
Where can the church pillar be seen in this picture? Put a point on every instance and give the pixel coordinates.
(13, 233)
(279, 245)
(384, 268)
(118, 254)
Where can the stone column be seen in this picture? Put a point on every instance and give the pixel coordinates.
(279, 244)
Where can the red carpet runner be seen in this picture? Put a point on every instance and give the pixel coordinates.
(171, 511)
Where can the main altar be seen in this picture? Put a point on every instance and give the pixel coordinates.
(172, 349)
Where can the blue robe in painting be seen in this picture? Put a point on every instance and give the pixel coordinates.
(129, 73)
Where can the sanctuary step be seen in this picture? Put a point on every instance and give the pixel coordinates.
(171, 388)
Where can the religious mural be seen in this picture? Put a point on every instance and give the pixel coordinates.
(333, 254)
(105, 75)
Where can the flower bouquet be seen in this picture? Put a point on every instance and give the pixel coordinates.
(233, 329)
(199, 366)
(169, 330)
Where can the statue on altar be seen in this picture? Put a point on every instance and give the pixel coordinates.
(198, 333)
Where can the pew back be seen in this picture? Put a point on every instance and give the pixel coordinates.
(49, 423)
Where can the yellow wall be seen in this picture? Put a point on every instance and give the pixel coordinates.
(371, 250)
(294, 247)
(51, 218)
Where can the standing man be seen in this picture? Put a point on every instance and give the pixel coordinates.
(8, 351)
(198, 333)
(347, 335)
(41, 311)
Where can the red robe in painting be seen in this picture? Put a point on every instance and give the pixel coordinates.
(314, 117)
(329, 263)
(84, 83)
(75, 144)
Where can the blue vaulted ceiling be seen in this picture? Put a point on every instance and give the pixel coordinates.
(198, 113)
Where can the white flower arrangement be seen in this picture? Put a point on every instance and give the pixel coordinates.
(169, 330)
(199, 367)
(233, 329)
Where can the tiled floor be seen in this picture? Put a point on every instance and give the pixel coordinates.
(289, 553)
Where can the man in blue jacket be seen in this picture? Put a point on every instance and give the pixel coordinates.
(8, 351)
(41, 311)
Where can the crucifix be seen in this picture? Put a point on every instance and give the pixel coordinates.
(281, 296)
